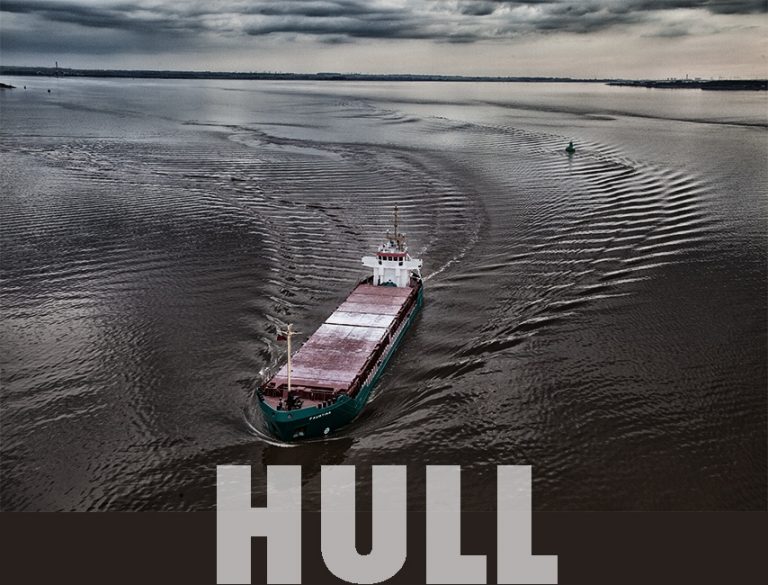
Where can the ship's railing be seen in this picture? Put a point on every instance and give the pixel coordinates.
(305, 392)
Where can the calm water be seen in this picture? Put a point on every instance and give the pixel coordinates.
(602, 317)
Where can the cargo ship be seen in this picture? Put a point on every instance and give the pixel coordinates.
(329, 380)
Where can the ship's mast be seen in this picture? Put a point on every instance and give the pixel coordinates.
(397, 237)
(288, 333)
(397, 233)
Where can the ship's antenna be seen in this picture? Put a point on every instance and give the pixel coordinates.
(288, 333)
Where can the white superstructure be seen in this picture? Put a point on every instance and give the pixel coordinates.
(392, 265)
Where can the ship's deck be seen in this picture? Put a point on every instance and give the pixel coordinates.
(332, 359)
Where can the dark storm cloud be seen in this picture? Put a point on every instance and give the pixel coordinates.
(351, 18)
(477, 7)
(336, 21)
(313, 8)
(124, 17)
(713, 6)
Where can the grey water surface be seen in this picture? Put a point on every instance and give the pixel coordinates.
(601, 317)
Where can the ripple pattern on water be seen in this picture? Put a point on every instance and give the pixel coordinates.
(592, 315)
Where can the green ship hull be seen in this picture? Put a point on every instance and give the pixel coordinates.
(313, 422)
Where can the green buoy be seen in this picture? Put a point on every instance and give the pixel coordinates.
(570, 149)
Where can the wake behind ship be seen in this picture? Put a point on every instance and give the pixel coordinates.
(329, 380)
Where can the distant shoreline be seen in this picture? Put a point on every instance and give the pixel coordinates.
(324, 76)
(722, 85)
(714, 85)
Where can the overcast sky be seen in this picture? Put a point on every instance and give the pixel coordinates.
(578, 38)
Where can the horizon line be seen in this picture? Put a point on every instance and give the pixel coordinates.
(327, 75)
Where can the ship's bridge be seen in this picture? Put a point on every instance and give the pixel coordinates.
(392, 265)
